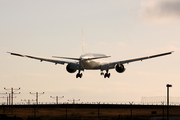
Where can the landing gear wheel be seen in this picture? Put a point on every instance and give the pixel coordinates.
(107, 75)
(79, 75)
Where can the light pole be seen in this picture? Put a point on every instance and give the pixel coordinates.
(168, 85)
(12, 90)
(57, 97)
(37, 94)
(74, 101)
(28, 101)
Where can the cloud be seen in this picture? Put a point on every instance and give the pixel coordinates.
(160, 11)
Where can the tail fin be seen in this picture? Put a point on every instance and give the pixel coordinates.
(83, 45)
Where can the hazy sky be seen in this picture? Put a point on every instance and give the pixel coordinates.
(123, 29)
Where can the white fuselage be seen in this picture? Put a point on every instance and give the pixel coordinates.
(87, 62)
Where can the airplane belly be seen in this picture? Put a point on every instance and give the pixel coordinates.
(87, 64)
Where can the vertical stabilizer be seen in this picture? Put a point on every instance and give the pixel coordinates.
(83, 45)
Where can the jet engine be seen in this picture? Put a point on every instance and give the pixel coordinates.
(120, 68)
(70, 69)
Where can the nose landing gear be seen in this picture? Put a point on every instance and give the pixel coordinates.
(102, 73)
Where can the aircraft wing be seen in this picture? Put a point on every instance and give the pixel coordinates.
(44, 59)
(139, 59)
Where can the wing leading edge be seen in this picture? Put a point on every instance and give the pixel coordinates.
(139, 59)
(45, 59)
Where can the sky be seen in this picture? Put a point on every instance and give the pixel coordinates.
(122, 29)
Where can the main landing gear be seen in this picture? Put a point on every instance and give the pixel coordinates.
(79, 74)
(106, 74)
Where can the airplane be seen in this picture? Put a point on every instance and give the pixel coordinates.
(90, 61)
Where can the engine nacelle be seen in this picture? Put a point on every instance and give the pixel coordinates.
(70, 69)
(120, 68)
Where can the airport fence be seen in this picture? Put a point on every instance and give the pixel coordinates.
(105, 103)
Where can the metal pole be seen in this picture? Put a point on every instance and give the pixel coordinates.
(12, 96)
(28, 102)
(12, 101)
(73, 101)
(57, 100)
(66, 111)
(131, 109)
(168, 85)
(9, 102)
(37, 98)
(9, 99)
(167, 103)
(37, 94)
